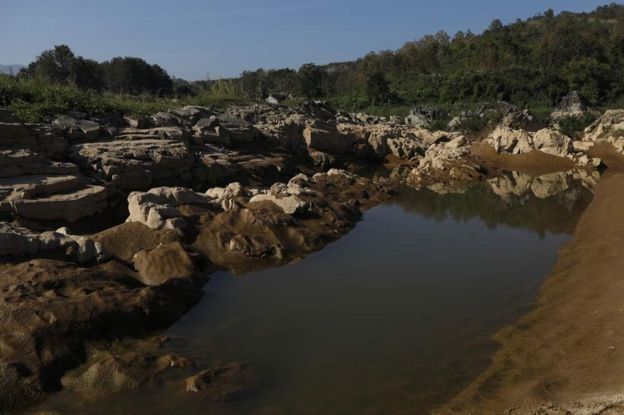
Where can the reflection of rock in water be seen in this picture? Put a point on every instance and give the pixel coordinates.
(516, 188)
(550, 203)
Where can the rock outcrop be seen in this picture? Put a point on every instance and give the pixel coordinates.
(608, 128)
(571, 105)
(135, 164)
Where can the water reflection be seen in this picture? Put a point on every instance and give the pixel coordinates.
(550, 203)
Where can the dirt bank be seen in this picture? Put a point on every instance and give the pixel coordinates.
(565, 357)
(534, 163)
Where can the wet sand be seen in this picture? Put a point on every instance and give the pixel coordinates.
(565, 356)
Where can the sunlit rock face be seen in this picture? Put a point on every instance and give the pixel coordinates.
(608, 128)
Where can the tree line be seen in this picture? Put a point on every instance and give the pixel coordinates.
(528, 62)
(126, 75)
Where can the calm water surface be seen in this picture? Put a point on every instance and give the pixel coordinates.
(394, 318)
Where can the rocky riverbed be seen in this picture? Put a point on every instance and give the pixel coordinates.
(112, 225)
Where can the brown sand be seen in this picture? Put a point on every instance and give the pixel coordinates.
(533, 163)
(608, 154)
(567, 355)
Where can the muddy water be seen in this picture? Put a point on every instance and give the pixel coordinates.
(394, 318)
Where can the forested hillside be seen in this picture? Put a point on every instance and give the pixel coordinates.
(531, 63)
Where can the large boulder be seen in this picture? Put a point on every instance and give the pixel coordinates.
(571, 105)
(517, 119)
(158, 208)
(326, 138)
(419, 118)
(125, 240)
(163, 264)
(77, 130)
(552, 142)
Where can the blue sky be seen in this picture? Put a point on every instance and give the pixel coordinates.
(194, 39)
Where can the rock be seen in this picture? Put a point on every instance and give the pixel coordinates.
(136, 164)
(50, 309)
(323, 160)
(552, 142)
(379, 144)
(288, 132)
(238, 129)
(208, 130)
(17, 135)
(291, 205)
(125, 240)
(70, 206)
(22, 162)
(158, 133)
(456, 143)
(326, 138)
(160, 265)
(517, 119)
(452, 167)
(419, 119)
(192, 113)
(30, 186)
(582, 146)
(121, 367)
(166, 119)
(224, 382)
(19, 241)
(507, 140)
(137, 121)
(77, 130)
(608, 128)
(86, 248)
(404, 148)
(572, 105)
(158, 208)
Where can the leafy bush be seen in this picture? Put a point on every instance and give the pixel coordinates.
(573, 126)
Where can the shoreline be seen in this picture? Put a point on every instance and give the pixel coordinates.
(562, 357)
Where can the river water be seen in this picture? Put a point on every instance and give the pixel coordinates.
(394, 318)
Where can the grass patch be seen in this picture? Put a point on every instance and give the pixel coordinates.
(35, 101)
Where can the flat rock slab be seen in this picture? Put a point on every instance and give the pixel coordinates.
(70, 206)
(34, 185)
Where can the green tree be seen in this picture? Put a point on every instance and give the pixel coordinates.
(311, 80)
(135, 76)
(378, 89)
(54, 65)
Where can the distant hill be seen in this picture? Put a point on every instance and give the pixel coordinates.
(10, 69)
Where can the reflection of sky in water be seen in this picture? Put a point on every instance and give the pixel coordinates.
(393, 318)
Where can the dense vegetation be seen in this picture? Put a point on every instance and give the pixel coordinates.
(531, 63)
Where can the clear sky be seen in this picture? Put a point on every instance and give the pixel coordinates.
(193, 39)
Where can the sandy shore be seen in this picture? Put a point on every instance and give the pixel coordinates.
(565, 356)
(534, 163)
